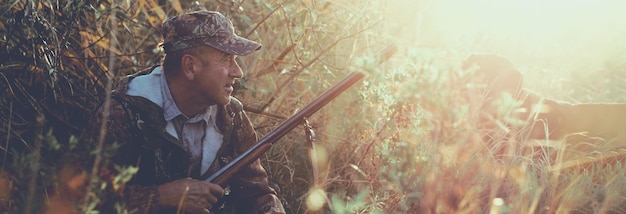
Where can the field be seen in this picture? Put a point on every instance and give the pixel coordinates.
(406, 139)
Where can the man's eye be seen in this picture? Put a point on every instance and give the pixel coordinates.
(229, 59)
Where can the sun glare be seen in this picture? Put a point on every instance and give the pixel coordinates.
(565, 34)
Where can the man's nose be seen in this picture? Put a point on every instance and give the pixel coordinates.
(235, 71)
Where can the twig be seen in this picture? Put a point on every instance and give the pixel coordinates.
(588, 160)
(296, 73)
(271, 67)
(262, 21)
(295, 55)
(315, 59)
(6, 146)
(116, 55)
(32, 183)
(259, 111)
(7, 81)
(106, 106)
(375, 139)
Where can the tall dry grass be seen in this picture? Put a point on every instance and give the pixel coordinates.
(405, 140)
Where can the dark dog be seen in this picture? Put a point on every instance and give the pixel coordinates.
(545, 118)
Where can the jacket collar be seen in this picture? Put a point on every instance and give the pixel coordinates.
(153, 117)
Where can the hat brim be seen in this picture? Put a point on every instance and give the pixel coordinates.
(234, 45)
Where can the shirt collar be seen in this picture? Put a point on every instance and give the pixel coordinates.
(171, 110)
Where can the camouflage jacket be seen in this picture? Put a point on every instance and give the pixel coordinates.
(136, 136)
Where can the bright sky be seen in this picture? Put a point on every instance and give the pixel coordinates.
(554, 30)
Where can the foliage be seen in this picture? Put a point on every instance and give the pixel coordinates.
(405, 140)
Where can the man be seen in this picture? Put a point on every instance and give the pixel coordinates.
(178, 124)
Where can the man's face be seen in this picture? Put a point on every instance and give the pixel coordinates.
(215, 76)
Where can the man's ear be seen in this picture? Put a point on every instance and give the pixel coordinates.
(187, 66)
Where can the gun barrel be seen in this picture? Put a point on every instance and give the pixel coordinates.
(221, 176)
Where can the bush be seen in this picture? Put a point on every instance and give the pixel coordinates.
(404, 140)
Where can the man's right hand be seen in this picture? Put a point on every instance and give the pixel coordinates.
(194, 196)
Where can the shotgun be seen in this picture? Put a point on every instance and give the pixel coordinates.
(222, 176)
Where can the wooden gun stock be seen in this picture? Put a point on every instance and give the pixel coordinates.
(224, 174)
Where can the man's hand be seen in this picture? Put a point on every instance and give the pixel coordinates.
(192, 195)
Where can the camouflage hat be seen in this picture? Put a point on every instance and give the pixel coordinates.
(204, 28)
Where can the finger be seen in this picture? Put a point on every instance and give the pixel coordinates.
(216, 189)
(198, 210)
(211, 199)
